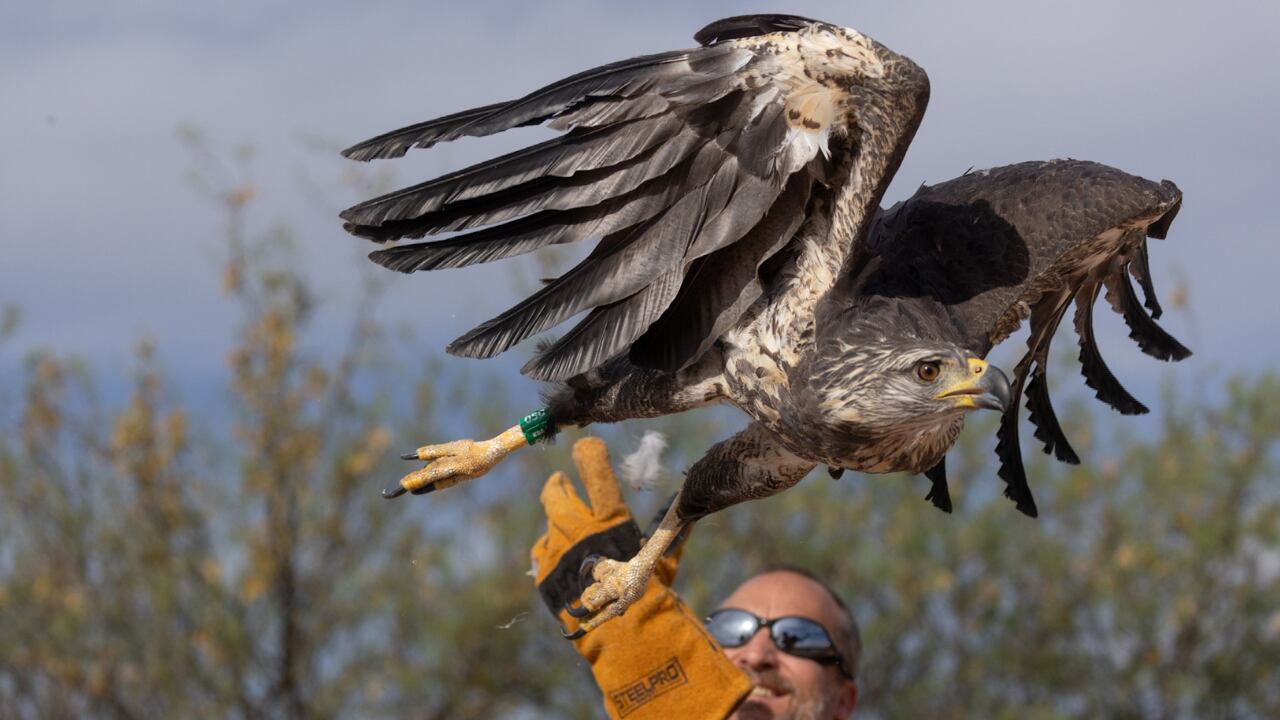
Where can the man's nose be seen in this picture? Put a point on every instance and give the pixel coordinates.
(758, 653)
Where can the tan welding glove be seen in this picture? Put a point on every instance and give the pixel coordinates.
(656, 660)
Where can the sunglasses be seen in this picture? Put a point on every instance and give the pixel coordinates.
(793, 635)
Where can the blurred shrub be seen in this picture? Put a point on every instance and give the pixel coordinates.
(155, 565)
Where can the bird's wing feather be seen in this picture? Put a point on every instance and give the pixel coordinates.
(1025, 241)
(679, 162)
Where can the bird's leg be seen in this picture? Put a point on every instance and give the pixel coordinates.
(751, 464)
(619, 584)
(453, 463)
(621, 391)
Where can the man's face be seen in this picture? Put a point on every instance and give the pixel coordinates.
(789, 687)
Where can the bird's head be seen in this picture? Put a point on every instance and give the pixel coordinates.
(896, 384)
(904, 397)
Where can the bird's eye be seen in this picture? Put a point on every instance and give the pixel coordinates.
(928, 371)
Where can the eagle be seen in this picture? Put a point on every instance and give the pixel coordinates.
(743, 258)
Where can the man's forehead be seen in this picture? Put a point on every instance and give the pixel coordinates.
(779, 593)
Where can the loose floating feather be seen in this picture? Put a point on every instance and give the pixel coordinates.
(642, 468)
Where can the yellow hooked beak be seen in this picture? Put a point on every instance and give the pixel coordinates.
(983, 386)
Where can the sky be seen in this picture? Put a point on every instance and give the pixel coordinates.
(105, 242)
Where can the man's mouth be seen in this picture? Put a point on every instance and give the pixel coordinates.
(765, 691)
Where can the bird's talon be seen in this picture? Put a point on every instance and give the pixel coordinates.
(588, 565)
(425, 489)
(409, 455)
(580, 611)
(394, 492)
(573, 635)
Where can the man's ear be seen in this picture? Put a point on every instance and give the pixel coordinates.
(848, 699)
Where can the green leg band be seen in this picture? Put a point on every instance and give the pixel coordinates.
(535, 425)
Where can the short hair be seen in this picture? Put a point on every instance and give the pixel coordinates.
(853, 639)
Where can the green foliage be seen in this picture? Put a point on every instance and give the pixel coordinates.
(151, 566)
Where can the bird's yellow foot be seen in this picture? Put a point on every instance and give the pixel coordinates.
(617, 585)
(456, 462)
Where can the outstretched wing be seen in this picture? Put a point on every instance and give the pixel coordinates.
(999, 246)
(692, 166)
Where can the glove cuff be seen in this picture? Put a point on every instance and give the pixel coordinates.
(657, 661)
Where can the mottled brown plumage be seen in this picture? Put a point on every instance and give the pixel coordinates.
(743, 257)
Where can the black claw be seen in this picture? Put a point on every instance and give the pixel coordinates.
(425, 489)
(409, 456)
(588, 564)
(394, 492)
(578, 612)
(573, 635)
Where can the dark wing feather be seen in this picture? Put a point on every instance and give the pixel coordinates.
(624, 78)
(719, 287)
(1143, 330)
(621, 266)
(580, 150)
(999, 246)
(939, 494)
(1141, 269)
(1096, 373)
(605, 331)
(424, 134)
(1045, 317)
(1045, 420)
(682, 162)
(745, 26)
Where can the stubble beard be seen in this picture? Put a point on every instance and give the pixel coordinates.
(809, 704)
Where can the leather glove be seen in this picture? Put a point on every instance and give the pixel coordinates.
(656, 660)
